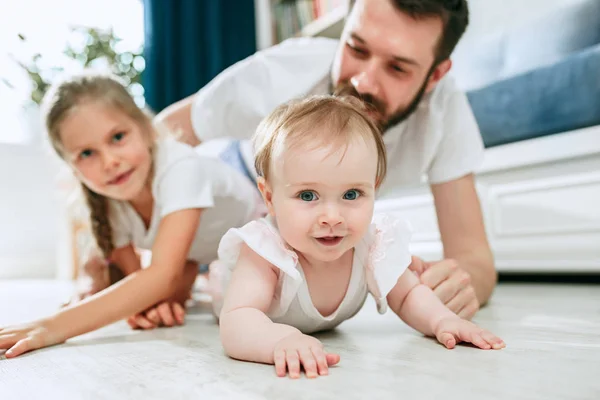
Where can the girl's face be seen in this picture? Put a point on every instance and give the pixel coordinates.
(323, 198)
(109, 151)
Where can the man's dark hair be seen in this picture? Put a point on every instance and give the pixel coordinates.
(453, 13)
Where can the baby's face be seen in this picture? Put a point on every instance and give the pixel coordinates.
(323, 198)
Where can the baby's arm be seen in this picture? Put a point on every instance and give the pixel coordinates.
(246, 331)
(133, 294)
(421, 309)
(248, 334)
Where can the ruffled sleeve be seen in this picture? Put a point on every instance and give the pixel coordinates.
(264, 239)
(388, 256)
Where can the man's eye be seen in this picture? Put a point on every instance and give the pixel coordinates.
(356, 50)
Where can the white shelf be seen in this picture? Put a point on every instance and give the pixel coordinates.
(329, 25)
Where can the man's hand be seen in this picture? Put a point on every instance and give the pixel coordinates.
(450, 283)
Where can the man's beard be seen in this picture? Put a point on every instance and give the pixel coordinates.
(347, 89)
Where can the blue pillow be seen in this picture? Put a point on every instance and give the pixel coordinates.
(552, 99)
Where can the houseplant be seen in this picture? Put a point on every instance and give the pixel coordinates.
(89, 47)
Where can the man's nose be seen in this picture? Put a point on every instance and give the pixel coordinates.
(365, 82)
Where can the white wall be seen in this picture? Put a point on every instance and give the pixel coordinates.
(508, 37)
(29, 213)
(489, 16)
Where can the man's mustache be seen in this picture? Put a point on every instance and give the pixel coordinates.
(372, 103)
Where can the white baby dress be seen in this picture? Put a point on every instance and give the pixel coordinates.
(380, 258)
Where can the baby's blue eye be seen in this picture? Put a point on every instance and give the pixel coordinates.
(351, 194)
(117, 137)
(85, 154)
(308, 196)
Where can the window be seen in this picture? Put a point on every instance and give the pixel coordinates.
(46, 27)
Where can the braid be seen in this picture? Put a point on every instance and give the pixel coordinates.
(100, 223)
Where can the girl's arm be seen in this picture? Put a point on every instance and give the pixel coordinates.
(133, 294)
(143, 288)
(246, 331)
(420, 308)
(126, 259)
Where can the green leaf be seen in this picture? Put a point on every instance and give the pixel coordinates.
(99, 44)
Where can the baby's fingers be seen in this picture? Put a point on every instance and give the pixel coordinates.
(417, 265)
(308, 362)
(293, 363)
(279, 360)
(319, 354)
(478, 340)
(493, 340)
(447, 339)
(332, 359)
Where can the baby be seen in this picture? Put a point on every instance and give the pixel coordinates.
(310, 264)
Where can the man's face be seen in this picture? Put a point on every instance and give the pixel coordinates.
(387, 57)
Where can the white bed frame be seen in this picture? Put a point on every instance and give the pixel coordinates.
(541, 205)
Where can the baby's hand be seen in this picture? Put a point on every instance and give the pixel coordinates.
(302, 349)
(168, 313)
(453, 330)
(23, 338)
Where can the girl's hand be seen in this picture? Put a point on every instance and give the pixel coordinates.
(168, 313)
(453, 330)
(23, 338)
(172, 311)
(299, 349)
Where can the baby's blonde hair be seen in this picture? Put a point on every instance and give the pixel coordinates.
(326, 119)
(61, 100)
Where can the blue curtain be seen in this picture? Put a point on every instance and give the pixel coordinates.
(188, 42)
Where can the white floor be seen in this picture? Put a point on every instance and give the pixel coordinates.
(552, 335)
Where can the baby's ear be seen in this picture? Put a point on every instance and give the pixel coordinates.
(267, 194)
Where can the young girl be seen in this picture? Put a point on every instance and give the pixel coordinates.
(143, 192)
(309, 265)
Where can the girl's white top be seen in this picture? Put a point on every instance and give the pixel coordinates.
(380, 258)
(185, 180)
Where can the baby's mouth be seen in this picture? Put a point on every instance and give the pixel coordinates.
(329, 240)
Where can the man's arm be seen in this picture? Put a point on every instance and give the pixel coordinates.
(234, 102)
(177, 118)
(463, 234)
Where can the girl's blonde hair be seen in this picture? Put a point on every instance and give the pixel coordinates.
(326, 119)
(62, 99)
